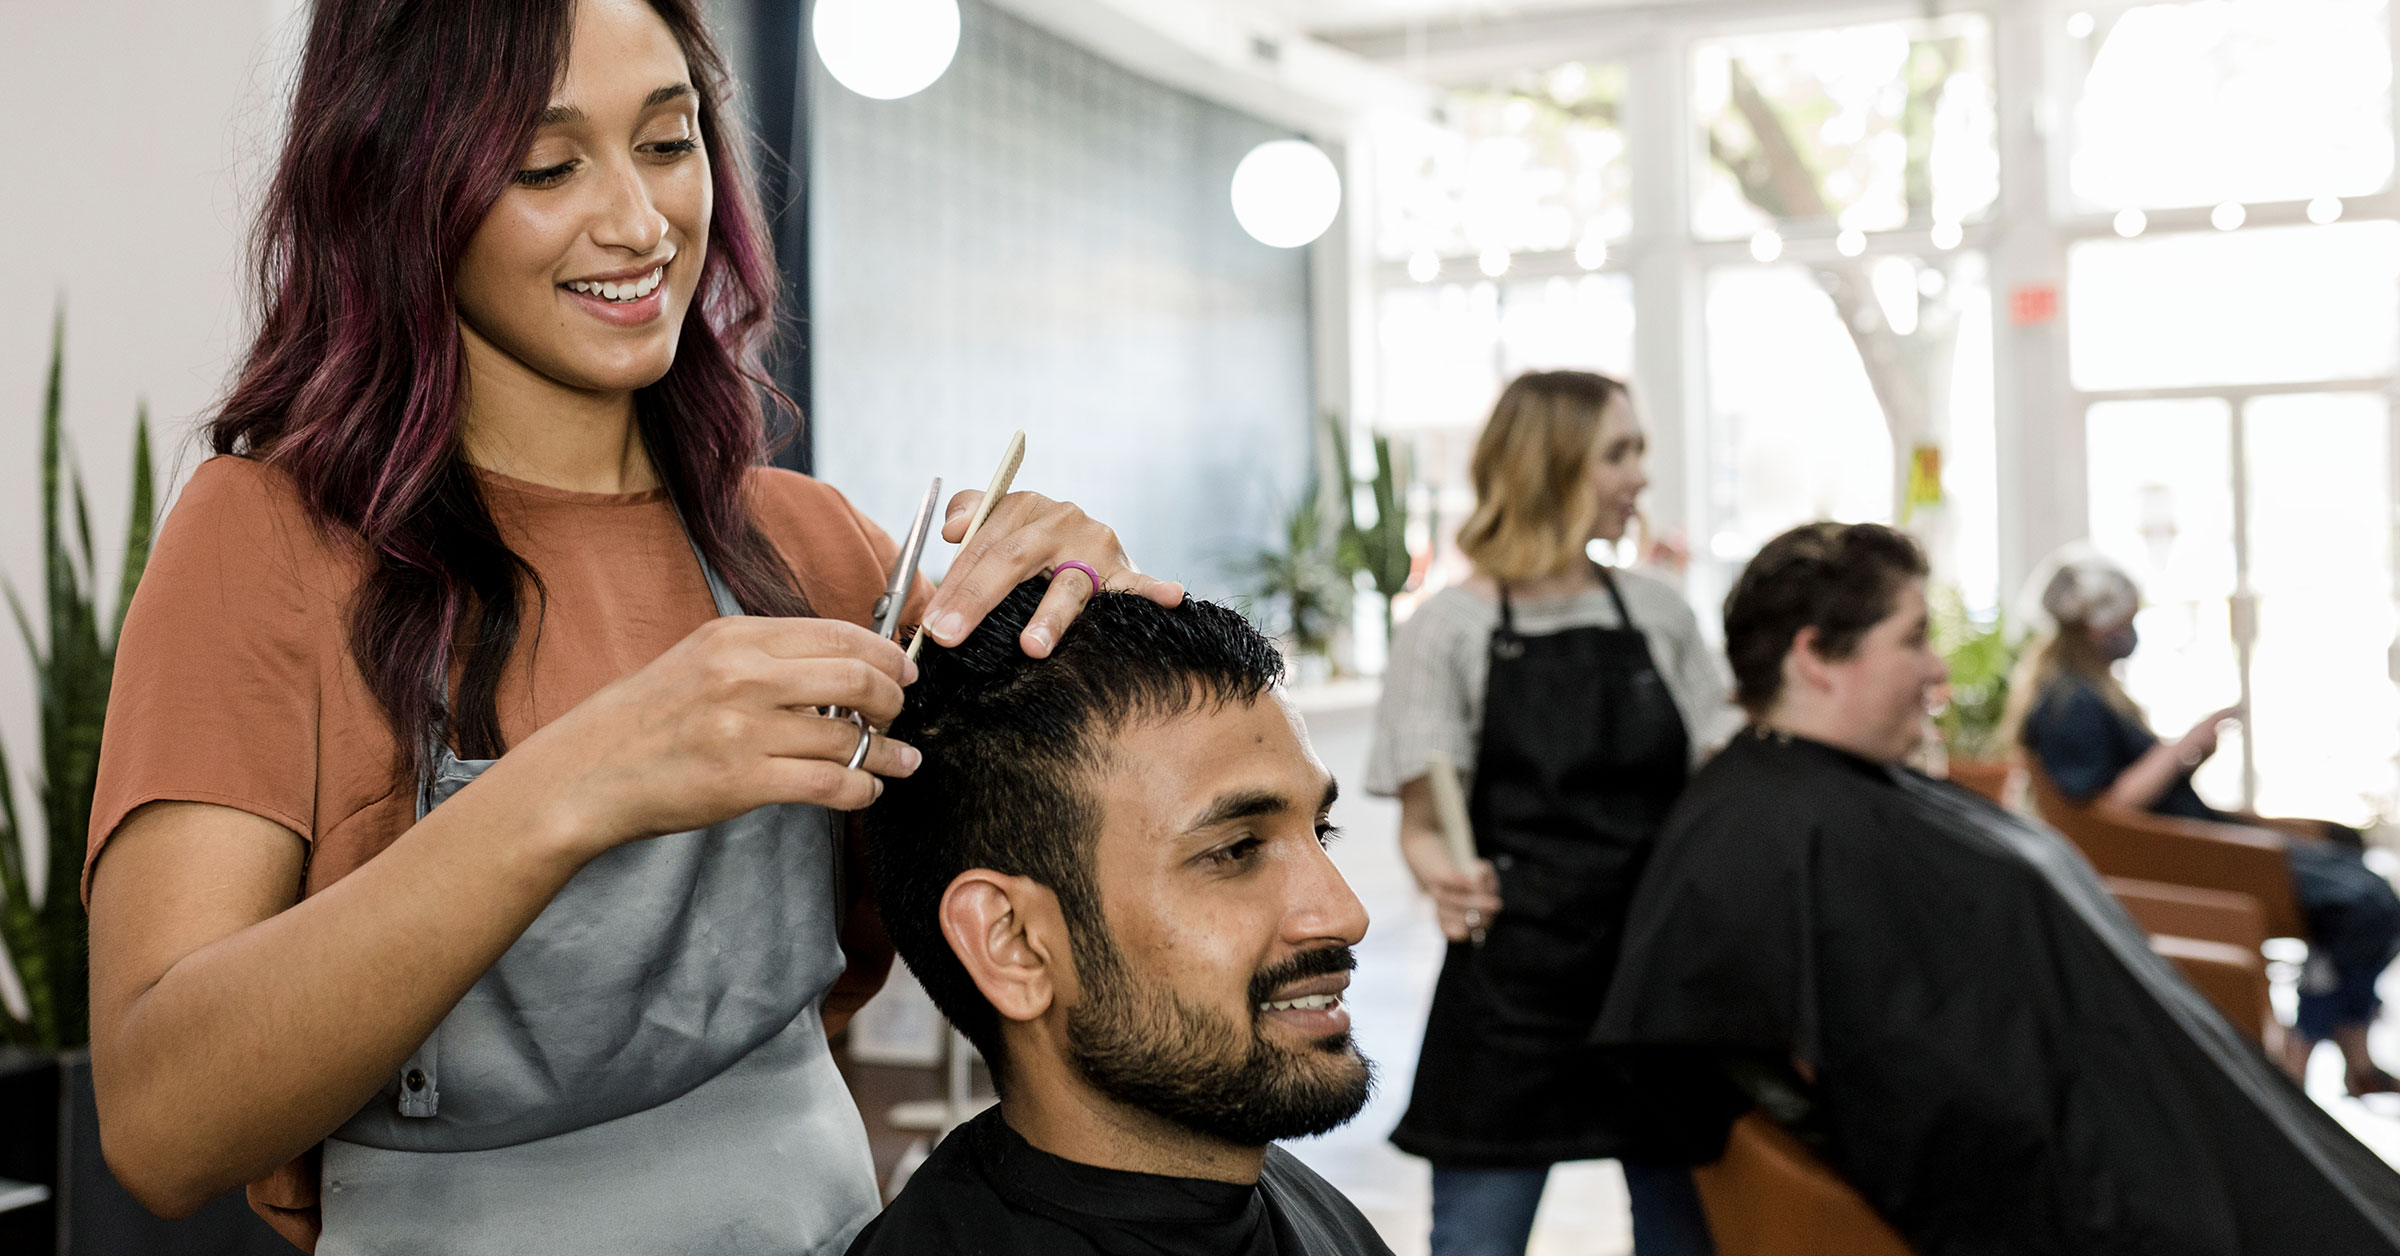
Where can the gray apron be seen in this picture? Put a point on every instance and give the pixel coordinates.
(644, 1070)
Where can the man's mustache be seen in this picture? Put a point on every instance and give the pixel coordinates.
(1323, 961)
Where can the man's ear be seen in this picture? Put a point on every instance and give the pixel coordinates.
(1010, 936)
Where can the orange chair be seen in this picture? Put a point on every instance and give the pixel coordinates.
(1991, 778)
(2213, 937)
(2200, 854)
(1770, 1196)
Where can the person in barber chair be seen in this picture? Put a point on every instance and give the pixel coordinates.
(1938, 997)
(2082, 730)
(1110, 874)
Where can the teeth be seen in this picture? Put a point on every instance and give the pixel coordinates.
(632, 291)
(1312, 1003)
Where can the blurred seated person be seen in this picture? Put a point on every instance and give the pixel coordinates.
(1938, 997)
(2088, 737)
(1110, 875)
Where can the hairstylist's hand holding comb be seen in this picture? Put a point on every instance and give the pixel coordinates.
(1006, 538)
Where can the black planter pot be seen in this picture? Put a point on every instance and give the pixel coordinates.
(50, 1136)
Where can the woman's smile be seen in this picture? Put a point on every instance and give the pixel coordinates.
(623, 298)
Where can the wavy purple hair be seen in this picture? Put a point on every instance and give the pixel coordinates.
(409, 118)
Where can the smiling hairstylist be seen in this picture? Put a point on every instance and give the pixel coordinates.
(463, 869)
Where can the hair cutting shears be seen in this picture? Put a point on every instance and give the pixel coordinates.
(888, 608)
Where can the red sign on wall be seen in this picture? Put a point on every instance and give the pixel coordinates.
(2033, 305)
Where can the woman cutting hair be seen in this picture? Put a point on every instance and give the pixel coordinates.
(1578, 697)
(2089, 738)
(463, 865)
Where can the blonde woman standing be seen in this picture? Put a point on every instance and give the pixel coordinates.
(1575, 698)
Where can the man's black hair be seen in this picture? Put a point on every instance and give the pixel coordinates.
(1838, 578)
(1010, 745)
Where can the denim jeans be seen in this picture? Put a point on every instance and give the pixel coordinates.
(1489, 1212)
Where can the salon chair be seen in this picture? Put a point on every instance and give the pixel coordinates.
(2213, 937)
(1992, 778)
(2200, 854)
(1770, 1196)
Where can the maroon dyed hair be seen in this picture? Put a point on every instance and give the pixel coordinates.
(408, 121)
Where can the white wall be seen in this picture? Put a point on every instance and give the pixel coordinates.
(137, 141)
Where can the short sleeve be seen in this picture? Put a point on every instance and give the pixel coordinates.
(2078, 741)
(1426, 706)
(216, 696)
(1695, 673)
(840, 555)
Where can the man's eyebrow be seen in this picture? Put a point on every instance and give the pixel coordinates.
(1333, 791)
(1244, 804)
(567, 115)
(1249, 804)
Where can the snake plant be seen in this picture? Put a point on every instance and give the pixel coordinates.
(72, 659)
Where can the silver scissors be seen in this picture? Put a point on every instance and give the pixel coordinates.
(894, 600)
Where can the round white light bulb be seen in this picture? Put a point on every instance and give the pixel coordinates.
(1493, 262)
(2079, 26)
(1286, 192)
(1592, 253)
(2325, 209)
(2131, 222)
(1947, 235)
(886, 49)
(1850, 243)
(1424, 267)
(2228, 216)
(1766, 246)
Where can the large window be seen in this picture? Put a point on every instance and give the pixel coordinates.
(2230, 100)
(2280, 304)
(2197, 338)
(1863, 128)
(1531, 164)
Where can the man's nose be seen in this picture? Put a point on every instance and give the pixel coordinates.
(1322, 908)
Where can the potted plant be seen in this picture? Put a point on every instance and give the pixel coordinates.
(49, 1127)
(1303, 581)
(1981, 657)
(1377, 549)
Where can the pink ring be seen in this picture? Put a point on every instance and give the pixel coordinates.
(1085, 568)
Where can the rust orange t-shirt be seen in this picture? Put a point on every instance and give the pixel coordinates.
(235, 684)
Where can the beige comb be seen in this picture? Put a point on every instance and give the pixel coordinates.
(1001, 479)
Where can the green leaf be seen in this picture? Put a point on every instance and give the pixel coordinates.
(140, 522)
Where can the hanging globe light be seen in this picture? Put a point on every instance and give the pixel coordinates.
(886, 49)
(1285, 193)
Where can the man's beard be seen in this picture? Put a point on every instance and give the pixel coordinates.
(1150, 1050)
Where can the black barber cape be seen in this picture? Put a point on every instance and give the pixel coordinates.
(2000, 1063)
(985, 1191)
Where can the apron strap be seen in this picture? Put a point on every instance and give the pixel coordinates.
(1609, 582)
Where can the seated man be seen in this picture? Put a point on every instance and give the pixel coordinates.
(1939, 997)
(1110, 875)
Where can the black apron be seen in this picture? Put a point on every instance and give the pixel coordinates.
(1582, 754)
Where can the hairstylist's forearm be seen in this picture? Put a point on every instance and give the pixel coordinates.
(241, 1054)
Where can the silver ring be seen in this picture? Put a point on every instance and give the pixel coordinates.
(865, 735)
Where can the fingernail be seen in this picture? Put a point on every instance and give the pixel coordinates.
(878, 787)
(910, 757)
(948, 627)
(1039, 635)
(908, 670)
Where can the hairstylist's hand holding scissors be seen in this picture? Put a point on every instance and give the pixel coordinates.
(1027, 535)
